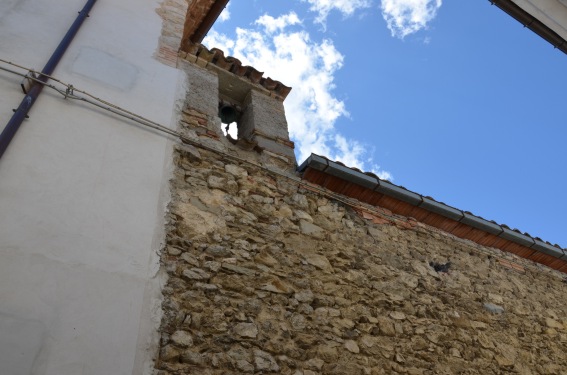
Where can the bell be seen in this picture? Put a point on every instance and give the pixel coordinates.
(227, 114)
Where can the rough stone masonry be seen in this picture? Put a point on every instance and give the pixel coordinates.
(270, 276)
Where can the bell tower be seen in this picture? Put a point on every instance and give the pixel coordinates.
(220, 90)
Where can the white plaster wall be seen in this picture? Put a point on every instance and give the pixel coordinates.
(83, 192)
(552, 13)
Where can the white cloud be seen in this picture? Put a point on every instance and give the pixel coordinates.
(405, 17)
(271, 24)
(352, 154)
(225, 14)
(346, 7)
(309, 67)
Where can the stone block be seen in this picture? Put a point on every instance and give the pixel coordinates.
(267, 114)
(275, 147)
(202, 89)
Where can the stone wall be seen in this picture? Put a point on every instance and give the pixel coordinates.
(269, 276)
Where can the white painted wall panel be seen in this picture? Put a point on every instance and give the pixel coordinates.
(82, 192)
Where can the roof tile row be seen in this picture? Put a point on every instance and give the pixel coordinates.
(233, 65)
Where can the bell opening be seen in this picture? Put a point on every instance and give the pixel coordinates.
(231, 130)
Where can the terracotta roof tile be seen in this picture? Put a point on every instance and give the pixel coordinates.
(233, 65)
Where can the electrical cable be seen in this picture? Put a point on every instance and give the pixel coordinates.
(70, 90)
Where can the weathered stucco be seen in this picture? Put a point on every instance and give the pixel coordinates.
(83, 192)
(270, 275)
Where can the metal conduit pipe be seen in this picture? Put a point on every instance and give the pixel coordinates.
(21, 112)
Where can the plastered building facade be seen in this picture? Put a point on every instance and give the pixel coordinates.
(83, 191)
(161, 246)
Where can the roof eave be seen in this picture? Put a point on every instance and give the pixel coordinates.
(214, 13)
(532, 23)
(501, 236)
(199, 20)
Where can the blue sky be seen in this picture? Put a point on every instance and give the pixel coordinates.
(455, 100)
